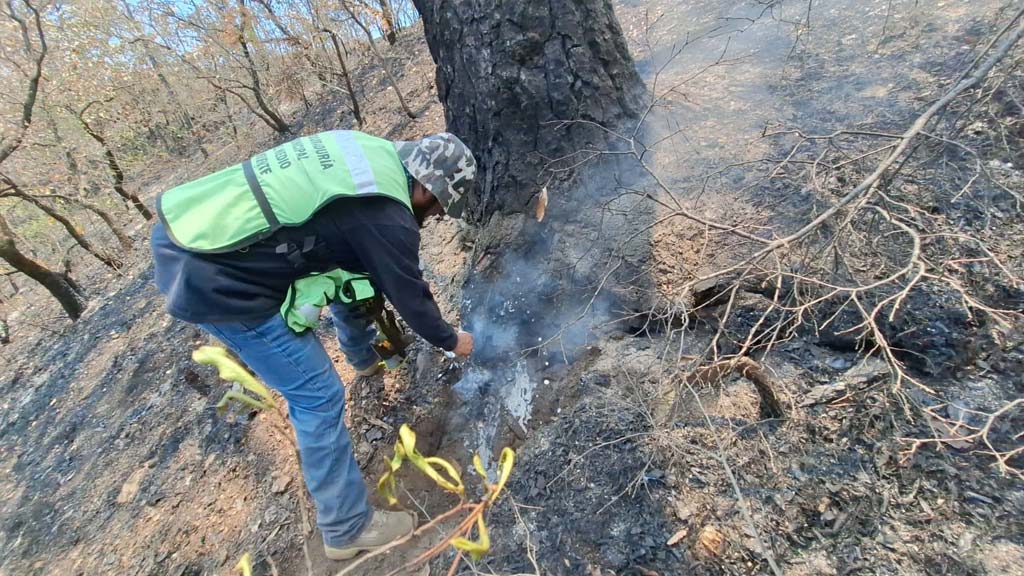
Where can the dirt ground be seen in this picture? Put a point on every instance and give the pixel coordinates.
(115, 461)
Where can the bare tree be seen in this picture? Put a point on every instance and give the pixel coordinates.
(15, 191)
(182, 112)
(304, 47)
(113, 165)
(354, 16)
(9, 145)
(267, 113)
(382, 13)
(59, 285)
(122, 237)
(345, 75)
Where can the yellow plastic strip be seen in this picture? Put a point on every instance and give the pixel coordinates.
(478, 548)
(230, 370)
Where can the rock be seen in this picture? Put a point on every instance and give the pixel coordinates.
(683, 510)
(837, 363)
(130, 488)
(280, 483)
(865, 371)
(823, 394)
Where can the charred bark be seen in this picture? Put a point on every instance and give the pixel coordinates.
(56, 283)
(508, 73)
(116, 172)
(268, 114)
(69, 226)
(345, 76)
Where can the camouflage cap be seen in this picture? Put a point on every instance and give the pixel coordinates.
(444, 165)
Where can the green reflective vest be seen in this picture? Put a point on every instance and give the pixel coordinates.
(284, 186)
(307, 296)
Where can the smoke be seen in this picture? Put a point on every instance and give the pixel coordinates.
(542, 288)
(537, 303)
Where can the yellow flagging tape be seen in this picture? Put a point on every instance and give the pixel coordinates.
(405, 449)
(478, 548)
(222, 406)
(482, 544)
(245, 564)
(232, 371)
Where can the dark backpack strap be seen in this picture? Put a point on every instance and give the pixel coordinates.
(260, 195)
(294, 254)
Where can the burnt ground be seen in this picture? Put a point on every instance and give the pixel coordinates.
(115, 461)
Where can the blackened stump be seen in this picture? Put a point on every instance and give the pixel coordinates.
(507, 72)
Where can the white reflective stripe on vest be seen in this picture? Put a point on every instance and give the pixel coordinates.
(358, 166)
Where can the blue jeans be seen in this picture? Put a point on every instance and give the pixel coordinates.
(297, 366)
(355, 335)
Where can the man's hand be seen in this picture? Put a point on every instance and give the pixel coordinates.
(464, 347)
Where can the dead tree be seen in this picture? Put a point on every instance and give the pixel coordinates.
(69, 158)
(510, 74)
(345, 76)
(16, 192)
(266, 112)
(183, 115)
(8, 145)
(77, 178)
(305, 48)
(122, 237)
(59, 285)
(116, 172)
(352, 12)
(385, 17)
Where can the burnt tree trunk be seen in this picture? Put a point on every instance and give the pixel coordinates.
(59, 285)
(509, 72)
(72, 231)
(116, 172)
(345, 76)
(269, 115)
(380, 59)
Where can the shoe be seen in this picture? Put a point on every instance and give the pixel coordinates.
(384, 528)
(369, 370)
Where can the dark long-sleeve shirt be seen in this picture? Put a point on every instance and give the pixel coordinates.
(372, 235)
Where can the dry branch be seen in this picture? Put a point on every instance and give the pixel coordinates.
(711, 375)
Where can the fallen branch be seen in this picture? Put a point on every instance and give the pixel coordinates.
(712, 374)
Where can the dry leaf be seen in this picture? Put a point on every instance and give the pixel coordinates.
(678, 536)
(542, 203)
(711, 541)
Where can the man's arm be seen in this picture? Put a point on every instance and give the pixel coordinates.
(390, 255)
